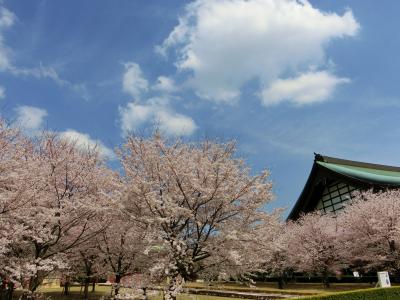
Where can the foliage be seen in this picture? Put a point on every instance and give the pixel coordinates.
(366, 294)
(200, 201)
(371, 231)
(314, 245)
(364, 237)
(67, 192)
(177, 211)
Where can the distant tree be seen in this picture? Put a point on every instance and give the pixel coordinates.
(315, 246)
(122, 247)
(372, 231)
(274, 257)
(199, 198)
(84, 263)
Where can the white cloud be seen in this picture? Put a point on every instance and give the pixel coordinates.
(30, 118)
(133, 81)
(2, 92)
(134, 115)
(84, 141)
(155, 112)
(165, 84)
(7, 19)
(224, 44)
(43, 72)
(305, 89)
(172, 123)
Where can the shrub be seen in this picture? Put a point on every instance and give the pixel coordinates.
(367, 294)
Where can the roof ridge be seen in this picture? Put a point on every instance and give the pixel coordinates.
(334, 160)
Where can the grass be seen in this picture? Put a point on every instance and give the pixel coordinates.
(300, 289)
(290, 289)
(194, 297)
(55, 293)
(392, 293)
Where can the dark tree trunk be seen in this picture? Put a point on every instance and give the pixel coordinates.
(3, 290)
(326, 281)
(86, 288)
(93, 285)
(117, 282)
(34, 283)
(66, 287)
(87, 279)
(281, 282)
(145, 293)
(6, 290)
(10, 291)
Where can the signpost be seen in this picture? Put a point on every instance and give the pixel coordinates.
(383, 279)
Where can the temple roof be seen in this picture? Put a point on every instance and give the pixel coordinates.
(367, 174)
(358, 174)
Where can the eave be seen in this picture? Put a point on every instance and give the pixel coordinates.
(358, 174)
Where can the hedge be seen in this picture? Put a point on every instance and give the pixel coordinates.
(392, 293)
(342, 279)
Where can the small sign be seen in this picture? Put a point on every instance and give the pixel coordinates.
(356, 274)
(383, 279)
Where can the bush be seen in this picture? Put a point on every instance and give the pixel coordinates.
(341, 279)
(367, 294)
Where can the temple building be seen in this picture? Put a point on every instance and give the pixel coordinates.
(333, 181)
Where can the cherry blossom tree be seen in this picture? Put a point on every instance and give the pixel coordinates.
(244, 257)
(314, 245)
(15, 185)
(372, 231)
(195, 196)
(85, 263)
(122, 247)
(272, 253)
(72, 188)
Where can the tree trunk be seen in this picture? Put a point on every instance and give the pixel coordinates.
(3, 290)
(6, 290)
(86, 288)
(117, 282)
(34, 283)
(93, 285)
(10, 291)
(175, 283)
(326, 281)
(66, 287)
(144, 293)
(169, 294)
(87, 280)
(281, 282)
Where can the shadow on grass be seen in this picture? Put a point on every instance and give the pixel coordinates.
(75, 293)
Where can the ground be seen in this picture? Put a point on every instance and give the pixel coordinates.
(291, 288)
(299, 289)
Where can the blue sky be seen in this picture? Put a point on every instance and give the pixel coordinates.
(284, 78)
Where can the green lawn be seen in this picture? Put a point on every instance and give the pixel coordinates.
(291, 288)
(76, 293)
(392, 293)
(195, 297)
(301, 289)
